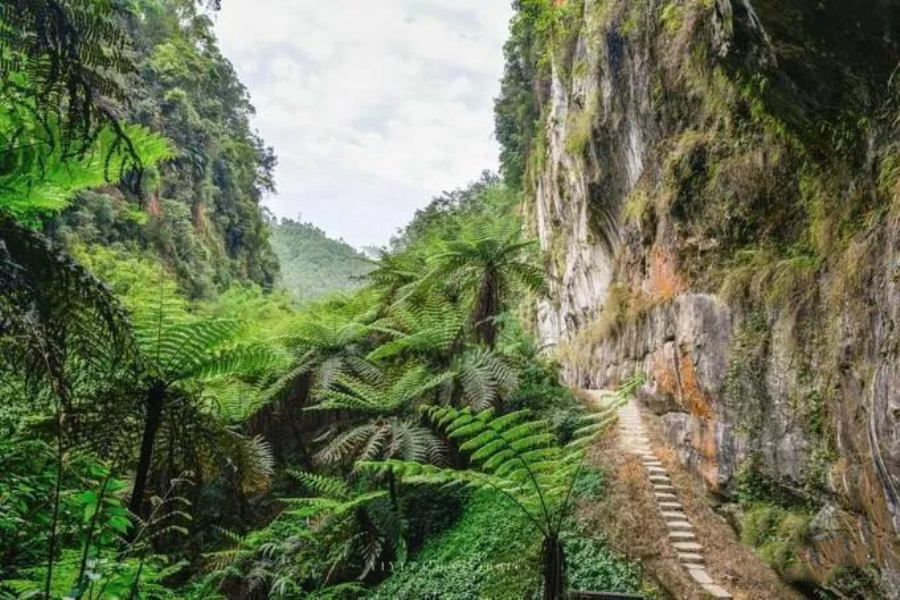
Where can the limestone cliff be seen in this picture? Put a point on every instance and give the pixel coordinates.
(716, 184)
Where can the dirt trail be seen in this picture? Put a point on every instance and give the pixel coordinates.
(660, 514)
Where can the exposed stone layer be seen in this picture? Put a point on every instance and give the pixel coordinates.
(710, 235)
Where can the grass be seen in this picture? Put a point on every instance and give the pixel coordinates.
(637, 206)
(773, 278)
(672, 17)
(612, 318)
(777, 534)
(580, 128)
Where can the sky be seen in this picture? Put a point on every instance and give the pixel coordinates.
(373, 106)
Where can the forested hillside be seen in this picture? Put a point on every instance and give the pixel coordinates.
(314, 265)
(199, 211)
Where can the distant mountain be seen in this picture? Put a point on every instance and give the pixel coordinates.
(313, 264)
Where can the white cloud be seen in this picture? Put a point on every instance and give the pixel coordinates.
(373, 106)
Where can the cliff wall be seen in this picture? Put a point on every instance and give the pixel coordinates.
(716, 184)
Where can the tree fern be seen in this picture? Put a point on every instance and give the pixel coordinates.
(484, 377)
(382, 421)
(323, 348)
(486, 265)
(431, 328)
(514, 455)
(179, 356)
(289, 558)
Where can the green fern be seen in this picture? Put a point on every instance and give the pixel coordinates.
(514, 455)
(488, 264)
(382, 422)
(288, 559)
(484, 377)
(433, 327)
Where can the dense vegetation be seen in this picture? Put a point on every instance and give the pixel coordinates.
(200, 209)
(172, 427)
(314, 265)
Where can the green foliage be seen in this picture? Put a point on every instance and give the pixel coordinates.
(776, 533)
(580, 128)
(745, 388)
(108, 576)
(314, 265)
(775, 520)
(541, 32)
(539, 391)
(511, 454)
(593, 565)
(39, 178)
(859, 583)
(203, 216)
(672, 17)
(182, 364)
(91, 525)
(488, 553)
(590, 484)
(487, 264)
(63, 63)
(313, 541)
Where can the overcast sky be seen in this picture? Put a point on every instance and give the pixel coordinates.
(373, 106)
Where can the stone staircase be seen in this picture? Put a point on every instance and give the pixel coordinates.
(681, 533)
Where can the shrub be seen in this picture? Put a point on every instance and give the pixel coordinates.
(591, 483)
(594, 566)
(490, 552)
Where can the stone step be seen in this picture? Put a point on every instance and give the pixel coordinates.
(685, 536)
(691, 547)
(690, 558)
(660, 479)
(673, 515)
(654, 470)
(663, 487)
(716, 591)
(700, 576)
(680, 526)
(669, 506)
(665, 496)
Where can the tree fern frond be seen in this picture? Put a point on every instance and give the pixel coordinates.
(323, 485)
(249, 360)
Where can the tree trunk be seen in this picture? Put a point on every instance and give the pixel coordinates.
(155, 400)
(392, 490)
(554, 559)
(487, 308)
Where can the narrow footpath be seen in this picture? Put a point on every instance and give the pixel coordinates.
(656, 512)
(634, 439)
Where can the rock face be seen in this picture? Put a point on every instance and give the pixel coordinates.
(717, 190)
